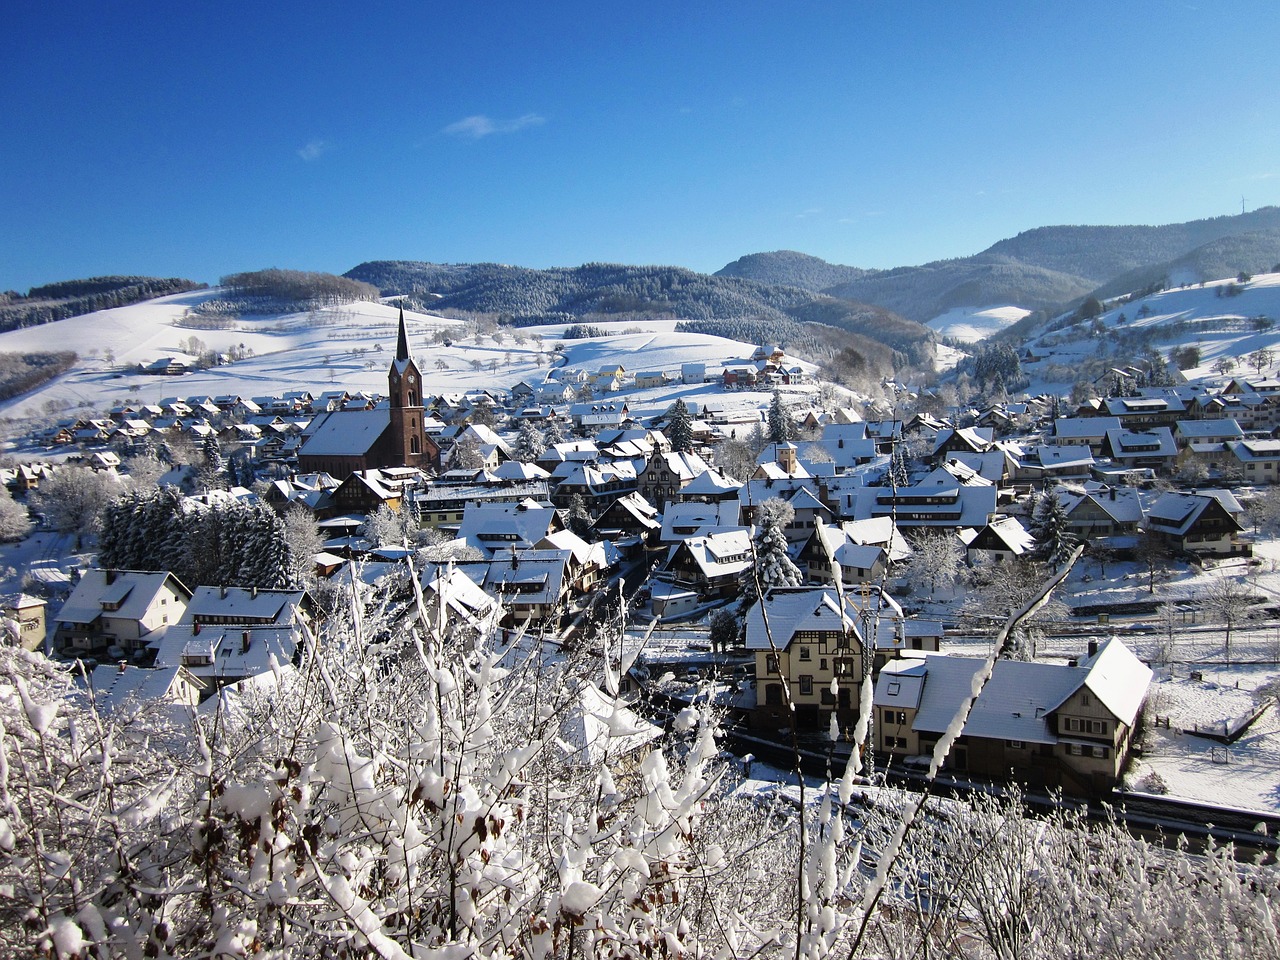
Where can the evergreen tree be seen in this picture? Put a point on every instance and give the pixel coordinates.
(579, 516)
(680, 427)
(1049, 527)
(212, 451)
(781, 427)
(553, 433)
(529, 443)
(772, 566)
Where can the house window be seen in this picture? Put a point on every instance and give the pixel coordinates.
(894, 688)
(806, 686)
(1100, 752)
(1074, 725)
(771, 663)
(1075, 750)
(1015, 744)
(828, 697)
(1084, 699)
(773, 695)
(822, 664)
(805, 654)
(1097, 726)
(892, 742)
(895, 717)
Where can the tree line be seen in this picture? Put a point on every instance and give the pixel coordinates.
(73, 298)
(22, 372)
(299, 285)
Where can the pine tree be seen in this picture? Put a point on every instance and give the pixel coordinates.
(529, 443)
(782, 428)
(579, 516)
(680, 427)
(1050, 530)
(772, 566)
(553, 433)
(212, 451)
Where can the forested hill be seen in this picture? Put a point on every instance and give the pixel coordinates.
(790, 268)
(1100, 254)
(1042, 268)
(599, 289)
(72, 298)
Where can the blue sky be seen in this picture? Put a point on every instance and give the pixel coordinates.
(199, 139)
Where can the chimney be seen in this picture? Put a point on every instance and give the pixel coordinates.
(222, 592)
(195, 629)
(1093, 648)
(244, 641)
(253, 591)
(122, 665)
(1113, 493)
(111, 576)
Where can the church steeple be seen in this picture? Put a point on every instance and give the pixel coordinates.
(402, 343)
(409, 444)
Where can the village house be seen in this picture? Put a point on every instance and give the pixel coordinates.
(24, 617)
(1086, 431)
(1151, 449)
(830, 550)
(1101, 514)
(118, 609)
(804, 638)
(1204, 522)
(710, 565)
(1258, 460)
(666, 474)
(1066, 727)
(1001, 538)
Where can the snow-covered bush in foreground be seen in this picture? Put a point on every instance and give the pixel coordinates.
(412, 801)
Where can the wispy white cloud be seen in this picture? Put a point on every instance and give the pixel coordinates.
(315, 150)
(478, 126)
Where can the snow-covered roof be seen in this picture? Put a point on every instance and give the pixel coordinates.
(1084, 428)
(691, 518)
(343, 433)
(131, 592)
(785, 611)
(242, 605)
(1119, 503)
(710, 483)
(597, 726)
(1218, 429)
(1118, 679)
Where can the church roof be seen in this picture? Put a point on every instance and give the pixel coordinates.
(345, 433)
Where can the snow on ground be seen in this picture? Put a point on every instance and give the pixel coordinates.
(1200, 315)
(1243, 775)
(347, 346)
(971, 324)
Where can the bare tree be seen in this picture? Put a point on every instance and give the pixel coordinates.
(1227, 600)
(73, 499)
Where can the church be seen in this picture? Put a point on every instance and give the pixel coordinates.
(390, 435)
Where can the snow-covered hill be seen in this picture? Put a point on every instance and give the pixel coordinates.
(971, 324)
(1222, 320)
(347, 346)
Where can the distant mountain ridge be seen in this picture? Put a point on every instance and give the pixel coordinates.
(1044, 267)
(538, 296)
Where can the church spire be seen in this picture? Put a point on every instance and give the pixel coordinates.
(402, 344)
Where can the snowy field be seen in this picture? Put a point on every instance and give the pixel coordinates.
(347, 347)
(1203, 316)
(971, 324)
